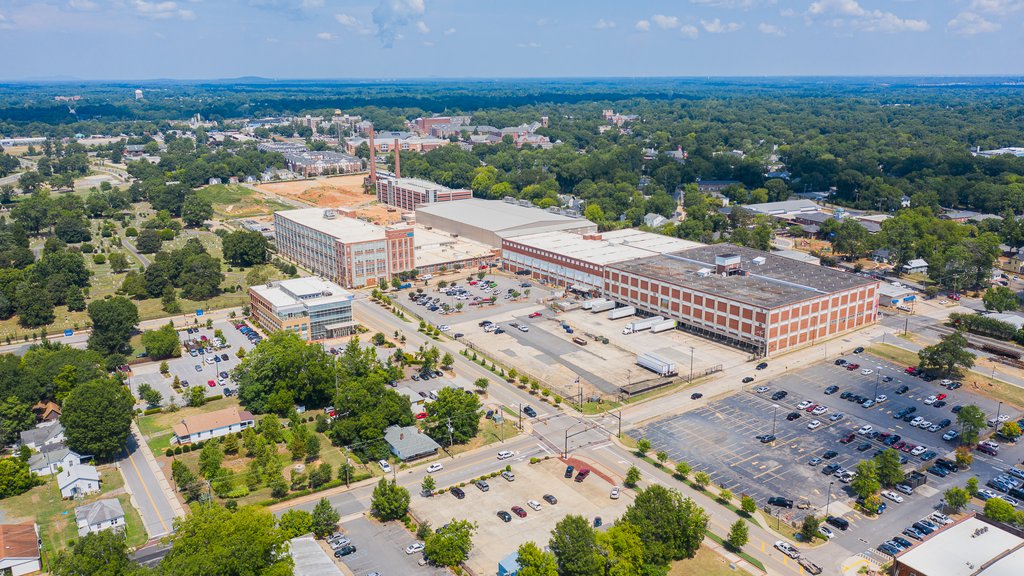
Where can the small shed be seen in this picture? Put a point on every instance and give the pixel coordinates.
(509, 565)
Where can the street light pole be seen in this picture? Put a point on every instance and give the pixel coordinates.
(774, 415)
(691, 366)
(878, 375)
(829, 500)
(999, 411)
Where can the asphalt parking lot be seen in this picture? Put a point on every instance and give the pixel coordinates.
(495, 539)
(474, 313)
(381, 548)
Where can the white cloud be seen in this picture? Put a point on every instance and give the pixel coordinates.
(787, 12)
(161, 10)
(5, 24)
(83, 5)
(642, 25)
(603, 24)
(1000, 7)
(422, 27)
(689, 31)
(449, 32)
(352, 23)
(716, 26)
(391, 16)
(325, 36)
(770, 29)
(308, 4)
(665, 22)
(744, 4)
(969, 24)
(840, 13)
(528, 45)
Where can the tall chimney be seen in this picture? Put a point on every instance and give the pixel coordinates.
(373, 159)
(398, 160)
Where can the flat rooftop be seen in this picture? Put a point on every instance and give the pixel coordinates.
(309, 291)
(418, 184)
(340, 227)
(777, 282)
(784, 207)
(434, 247)
(615, 246)
(970, 547)
(497, 215)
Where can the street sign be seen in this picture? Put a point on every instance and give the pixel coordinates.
(69, 332)
(199, 311)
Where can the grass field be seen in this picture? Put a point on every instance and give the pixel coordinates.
(237, 201)
(156, 428)
(705, 563)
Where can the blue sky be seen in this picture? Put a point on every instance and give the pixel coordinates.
(195, 39)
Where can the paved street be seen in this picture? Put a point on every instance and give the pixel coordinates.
(149, 494)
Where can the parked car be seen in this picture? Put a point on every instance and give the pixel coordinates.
(550, 499)
(780, 502)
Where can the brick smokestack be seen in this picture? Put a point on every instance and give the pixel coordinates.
(398, 160)
(373, 159)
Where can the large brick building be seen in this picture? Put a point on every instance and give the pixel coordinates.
(350, 252)
(411, 193)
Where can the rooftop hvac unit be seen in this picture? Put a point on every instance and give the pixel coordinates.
(525, 203)
(758, 261)
(326, 293)
(704, 272)
(329, 214)
(509, 199)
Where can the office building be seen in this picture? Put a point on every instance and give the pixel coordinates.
(411, 193)
(311, 307)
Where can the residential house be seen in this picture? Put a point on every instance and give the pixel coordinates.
(46, 411)
(915, 266)
(100, 515)
(416, 401)
(881, 255)
(213, 181)
(654, 220)
(80, 480)
(19, 549)
(716, 185)
(49, 433)
(52, 458)
(408, 443)
(212, 425)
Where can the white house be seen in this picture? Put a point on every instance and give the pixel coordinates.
(654, 220)
(54, 457)
(915, 266)
(100, 515)
(212, 425)
(19, 549)
(42, 435)
(78, 480)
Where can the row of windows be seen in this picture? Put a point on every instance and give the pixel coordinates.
(544, 255)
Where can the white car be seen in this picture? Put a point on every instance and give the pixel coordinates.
(414, 548)
(865, 429)
(787, 549)
(533, 504)
(761, 389)
(917, 451)
(426, 277)
(917, 420)
(211, 359)
(1009, 500)
(930, 400)
(819, 410)
(614, 495)
(946, 382)
(813, 424)
(867, 371)
(940, 518)
(385, 466)
(444, 327)
(951, 435)
(924, 424)
(505, 454)
(826, 532)
(524, 328)
(986, 494)
(803, 405)
(893, 496)
(881, 398)
(435, 467)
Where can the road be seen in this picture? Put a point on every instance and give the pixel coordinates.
(131, 248)
(148, 495)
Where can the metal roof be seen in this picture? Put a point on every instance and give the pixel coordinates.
(616, 246)
(970, 547)
(100, 511)
(496, 215)
(340, 227)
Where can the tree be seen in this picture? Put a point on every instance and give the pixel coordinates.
(643, 446)
(623, 550)
(947, 355)
(15, 417)
(1000, 299)
(195, 210)
(104, 553)
(957, 498)
(738, 535)
(149, 395)
(390, 501)
(196, 396)
(701, 479)
(454, 417)
(574, 544)
(450, 545)
(429, 485)
(74, 299)
(295, 523)
(972, 421)
(1000, 510)
(1010, 430)
(972, 486)
(182, 475)
(889, 470)
(536, 562)
(169, 300)
(214, 540)
(809, 528)
(448, 360)
(682, 470)
(284, 371)
(482, 383)
(748, 504)
(118, 261)
(964, 457)
(325, 519)
(866, 482)
(671, 527)
(15, 477)
(378, 339)
(312, 447)
(210, 459)
(632, 477)
(244, 248)
(97, 417)
(112, 323)
(162, 342)
(148, 241)
(725, 496)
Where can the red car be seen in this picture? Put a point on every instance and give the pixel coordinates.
(535, 315)
(811, 407)
(912, 370)
(518, 511)
(421, 415)
(582, 474)
(940, 397)
(852, 367)
(211, 383)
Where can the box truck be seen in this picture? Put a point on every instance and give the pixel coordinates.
(638, 325)
(656, 364)
(623, 312)
(663, 326)
(589, 304)
(602, 307)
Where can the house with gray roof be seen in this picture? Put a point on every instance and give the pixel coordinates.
(100, 515)
(42, 435)
(80, 480)
(408, 443)
(52, 458)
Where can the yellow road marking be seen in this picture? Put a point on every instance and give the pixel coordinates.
(159, 517)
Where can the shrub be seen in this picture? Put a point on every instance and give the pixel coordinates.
(177, 450)
(152, 411)
(99, 259)
(186, 448)
(169, 452)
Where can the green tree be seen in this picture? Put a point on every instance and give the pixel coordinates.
(671, 527)
(148, 241)
(448, 360)
(118, 261)
(643, 446)
(390, 501)
(169, 300)
(103, 553)
(1010, 430)
(149, 395)
(682, 470)
(295, 523)
(1000, 510)
(972, 486)
(195, 210)
(428, 485)
(632, 477)
(112, 323)
(957, 498)
(74, 299)
(701, 479)
(196, 396)
(536, 562)
(450, 545)
(284, 371)
(574, 544)
(162, 342)
(210, 459)
(964, 457)
(738, 535)
(214, 540)
(972, 421)
(454, 417)
(15, 477)
(97, 417)
(244, 248)
(809, 528)
(325, 519)
(866, 482)
(623, 550)
(748, 504)
(1000, 299)
(15, 416)
(951, 352)
(889, 470)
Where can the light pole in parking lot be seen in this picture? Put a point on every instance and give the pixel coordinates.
(878, 376)
(774, 414)
(829, 499)
(999, 411)
(691, 366)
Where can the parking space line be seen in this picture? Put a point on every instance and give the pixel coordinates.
(767, 472)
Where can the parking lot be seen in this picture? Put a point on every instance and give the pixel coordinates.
(185, 366)
(495, 538)
(474, 312)
(720, 438)
(381, 548)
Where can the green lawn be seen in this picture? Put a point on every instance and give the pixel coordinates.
(156, 428)
(237, 201)
(705, 563)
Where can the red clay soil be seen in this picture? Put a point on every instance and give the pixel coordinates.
(578, 464)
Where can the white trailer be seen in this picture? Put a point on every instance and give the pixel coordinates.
(602, 307)
(588, 304)
(663, 326)
(623, 312)
(644, 324)
(656, 364)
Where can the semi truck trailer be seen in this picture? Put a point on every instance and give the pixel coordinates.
(623, 312)
(656, 364)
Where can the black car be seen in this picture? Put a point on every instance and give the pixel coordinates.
(908, 417)
(846, 395)
(792, 416)
(505, 516)
(944, 422)
(762, 366)
(748, 379)
(344, 550)
(947, 465)
(766, 438)
(831, 389)
(863, 447)
(903, 389)
(780, 502)
(829, 469)
(779, 395)
(224, 357)
(911, 409)
(939, 404)
(886, 378)
(568, 471)
(529, 411)
(892, 439)
(550, 499)
(830, 454)
(841, 523)
(458, 493)
(956, 409)
(858, 350)
(840, 362)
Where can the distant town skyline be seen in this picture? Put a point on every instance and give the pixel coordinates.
(203, 39)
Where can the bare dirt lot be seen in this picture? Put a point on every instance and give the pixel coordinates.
(333, 191)
(495, 539)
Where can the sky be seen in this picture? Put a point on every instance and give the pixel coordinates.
(388, 39)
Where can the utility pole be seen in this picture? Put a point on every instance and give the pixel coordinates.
(691, 366)
(450, 433)
(829, 500)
